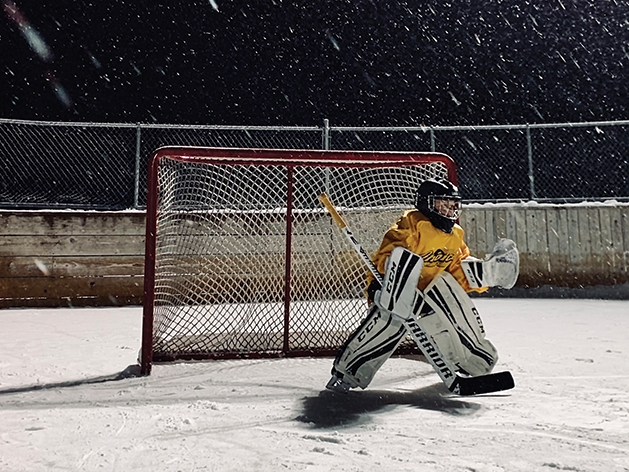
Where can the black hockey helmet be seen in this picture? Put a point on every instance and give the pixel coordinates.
(440, 202)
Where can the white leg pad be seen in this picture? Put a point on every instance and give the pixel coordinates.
(369, 347)
(455, 325)
(399, 287)
(444, 335)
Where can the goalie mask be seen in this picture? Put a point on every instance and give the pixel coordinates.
(440, 202)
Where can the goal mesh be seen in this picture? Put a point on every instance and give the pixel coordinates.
(244, 261)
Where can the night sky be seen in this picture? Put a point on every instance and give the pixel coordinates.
(267, 62)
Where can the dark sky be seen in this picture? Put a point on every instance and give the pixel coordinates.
(359, 62)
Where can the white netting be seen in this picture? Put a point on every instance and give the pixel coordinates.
(221, 251)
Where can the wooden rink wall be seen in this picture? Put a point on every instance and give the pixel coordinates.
(74, 258)
(71, 258)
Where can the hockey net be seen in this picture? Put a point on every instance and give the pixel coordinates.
(242, 260)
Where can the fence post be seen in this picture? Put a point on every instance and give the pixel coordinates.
(326, 135)
(529, 150)
(326, 147)
(432, 139)
(136, 190)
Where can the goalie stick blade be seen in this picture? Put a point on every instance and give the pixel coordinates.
(483, 384)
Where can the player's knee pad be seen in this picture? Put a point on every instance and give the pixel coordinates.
(369, 347)
(452, 320)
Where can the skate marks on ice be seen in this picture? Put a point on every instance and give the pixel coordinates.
(232, 381)
(330, 409)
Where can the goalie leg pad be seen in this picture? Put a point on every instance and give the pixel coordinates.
(369, 347)
(399, 287)
(443, 334)
(452, 320)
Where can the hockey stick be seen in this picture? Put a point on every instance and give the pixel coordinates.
(447, 372)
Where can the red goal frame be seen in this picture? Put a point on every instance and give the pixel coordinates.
(256, 157)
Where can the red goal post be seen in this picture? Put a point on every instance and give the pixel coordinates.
(243, 261)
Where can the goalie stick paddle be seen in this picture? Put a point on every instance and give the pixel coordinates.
(489, 383)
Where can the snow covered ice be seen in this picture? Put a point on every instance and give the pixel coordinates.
(67, 404)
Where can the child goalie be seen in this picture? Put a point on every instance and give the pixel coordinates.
(444, 311)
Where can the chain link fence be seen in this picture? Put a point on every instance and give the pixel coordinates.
(46, 165)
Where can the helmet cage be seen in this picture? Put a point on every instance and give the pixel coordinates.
(438, 205)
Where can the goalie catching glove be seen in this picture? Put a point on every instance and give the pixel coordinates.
(499, 269)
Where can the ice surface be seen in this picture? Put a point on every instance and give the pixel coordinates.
(61, 409)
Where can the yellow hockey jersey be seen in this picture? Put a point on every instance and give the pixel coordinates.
(440, 251)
